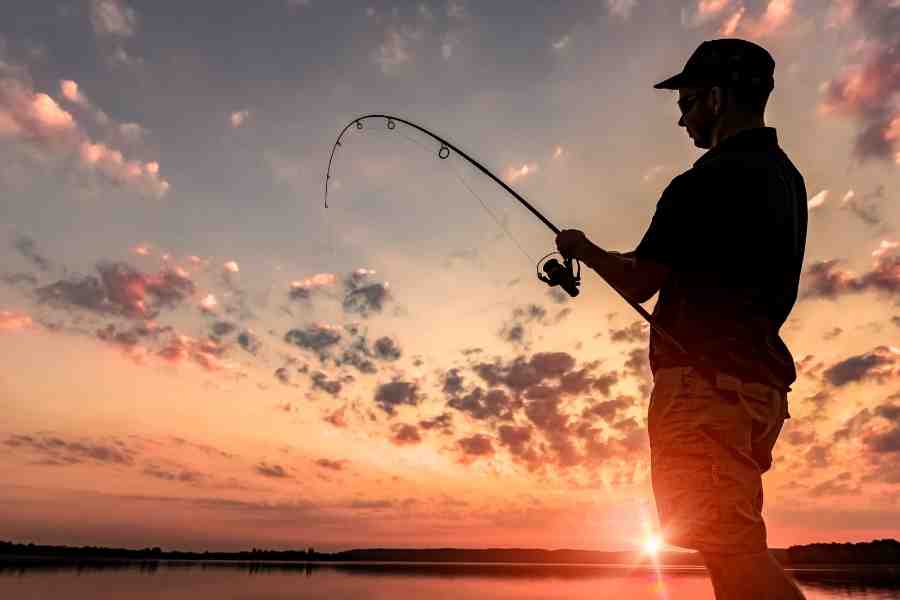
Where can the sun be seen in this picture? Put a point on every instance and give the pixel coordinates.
(652, 545)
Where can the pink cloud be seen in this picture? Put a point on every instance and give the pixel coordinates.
(113, 18)
(867, 88)
(731, 24)
(182, 348)
(773, 19)
(839, 13)
(711, 7)
(71, 92)
(239, 117)
(112, 164)
(37, 118)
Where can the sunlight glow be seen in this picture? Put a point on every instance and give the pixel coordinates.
(652, 545)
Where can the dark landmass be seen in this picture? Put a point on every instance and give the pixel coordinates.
(877, 552)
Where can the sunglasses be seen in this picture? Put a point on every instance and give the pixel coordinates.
(687, 103)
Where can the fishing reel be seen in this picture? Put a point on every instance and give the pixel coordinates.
(563, 275)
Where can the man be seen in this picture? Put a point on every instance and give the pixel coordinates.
(724, 250)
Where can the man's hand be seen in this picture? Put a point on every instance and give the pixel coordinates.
(572, 243)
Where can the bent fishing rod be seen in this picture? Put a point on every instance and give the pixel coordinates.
(555, 274)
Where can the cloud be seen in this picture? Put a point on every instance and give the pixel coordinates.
(824, 279)
(27, 248)
(773, 19)
(388, 396)
(638, 331)
(478, 404)
(337, 417)
(731, 24)
(865, 89)
(71, 92)
(273, 471)
(386, 348)
(866, 208)
(560, 44)
(37, 119)
(113, 18)
(34, 116)
(711, 7)
(880, 364)
(303, 289)
(319, 338)
(621, 8)
(839, 13)
(364, 298)
(181, 475)
(181, 348)
(818, 200)
(511, 174)
(404, 434)
(332, 465)
(607, 410)
(13, 320)
(54, 450)
(442, 422)
(239, 117)
(456, 9)
(249, 341)
(475, 447)
(396, 49)
(517, 440)
(121, 289)
(321, 381)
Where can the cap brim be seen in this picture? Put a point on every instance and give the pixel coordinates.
(673, 83)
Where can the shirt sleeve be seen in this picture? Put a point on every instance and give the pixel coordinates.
(667, 228)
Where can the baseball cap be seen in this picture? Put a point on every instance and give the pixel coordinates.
(725, 61)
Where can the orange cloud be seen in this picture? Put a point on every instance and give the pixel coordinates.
(731, 24)
(13, 321)
(71, 92)
(818, 200)
(711, 7)
(777, 13)
(513, 173)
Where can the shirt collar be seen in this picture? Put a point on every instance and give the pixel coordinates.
(758, 138)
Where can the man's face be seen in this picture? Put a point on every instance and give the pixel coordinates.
(697, 115)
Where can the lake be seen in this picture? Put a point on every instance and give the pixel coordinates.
(33, 579)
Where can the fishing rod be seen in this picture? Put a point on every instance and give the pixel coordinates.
(564, 275)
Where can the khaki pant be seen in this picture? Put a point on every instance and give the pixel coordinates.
(710, 443)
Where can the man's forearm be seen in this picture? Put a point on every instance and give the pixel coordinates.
(619, 269)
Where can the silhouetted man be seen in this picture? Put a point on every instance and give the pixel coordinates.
(724, 250)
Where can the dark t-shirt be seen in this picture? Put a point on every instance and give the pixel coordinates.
(733, 231)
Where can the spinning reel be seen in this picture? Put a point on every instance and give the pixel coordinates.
(563, 275)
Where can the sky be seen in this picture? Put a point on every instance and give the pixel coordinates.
(199, 354)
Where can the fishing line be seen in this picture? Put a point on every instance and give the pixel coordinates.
(483, 204)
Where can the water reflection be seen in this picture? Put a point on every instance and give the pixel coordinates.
(45, 578)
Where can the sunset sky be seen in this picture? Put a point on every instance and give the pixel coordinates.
(198, 354)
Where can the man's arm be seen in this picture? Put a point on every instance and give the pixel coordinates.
(637, 279)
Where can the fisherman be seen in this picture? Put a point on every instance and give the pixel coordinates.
(724, 250)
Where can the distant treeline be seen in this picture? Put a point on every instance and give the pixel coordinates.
(886, 551)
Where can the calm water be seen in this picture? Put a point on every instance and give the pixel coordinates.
(281, 581)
